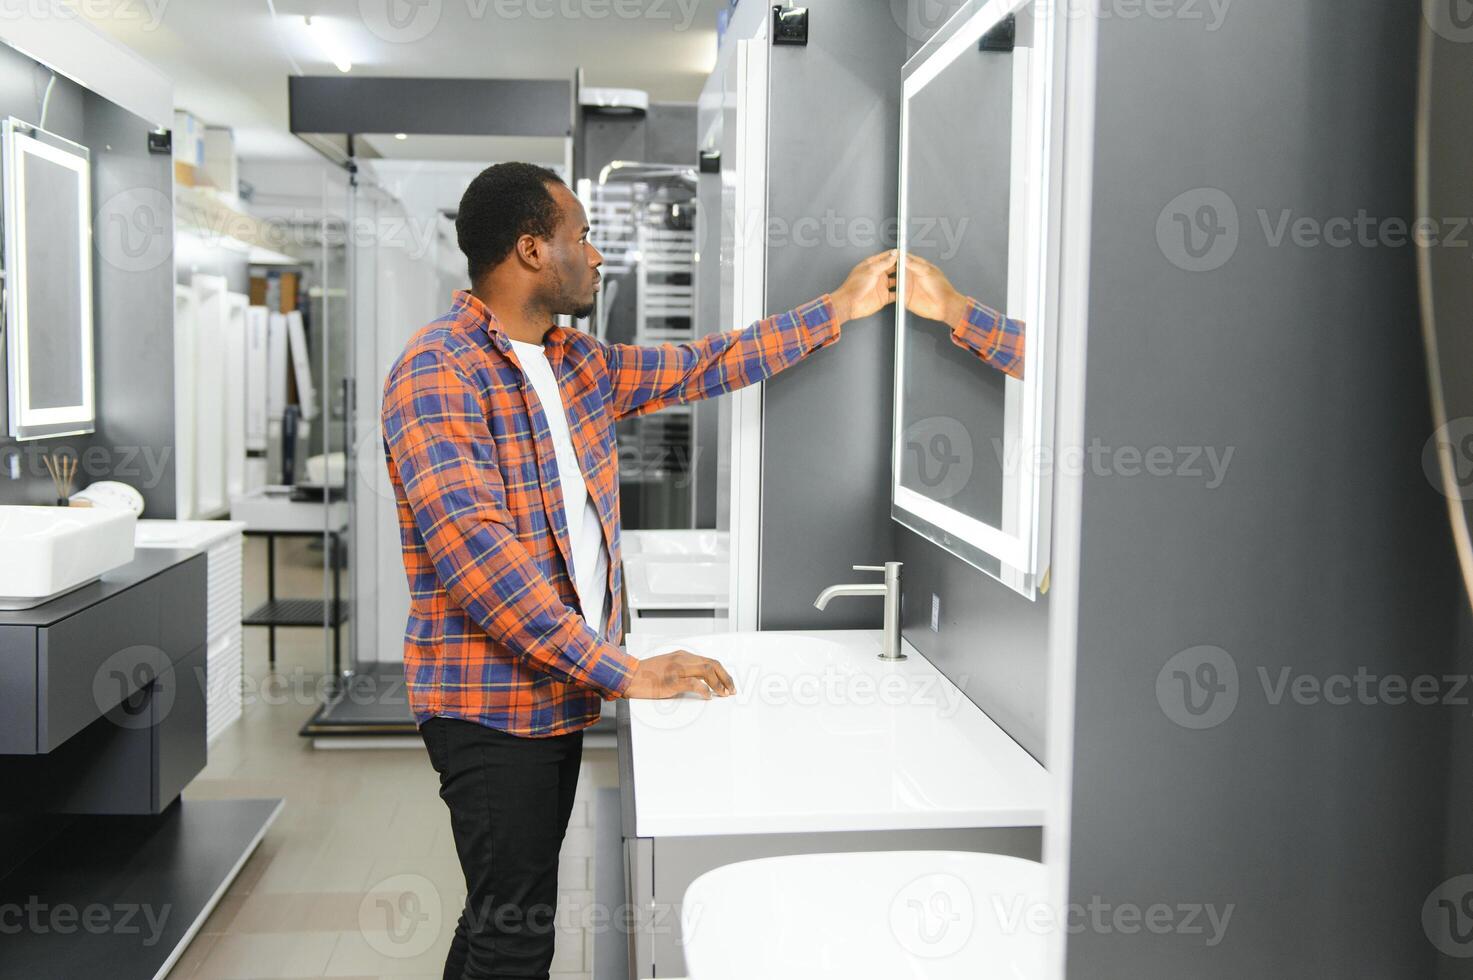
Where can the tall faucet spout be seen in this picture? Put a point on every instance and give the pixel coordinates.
(834, 591)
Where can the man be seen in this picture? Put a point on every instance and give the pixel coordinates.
(499, 432)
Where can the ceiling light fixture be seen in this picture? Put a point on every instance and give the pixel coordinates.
(327, 43)
(401, 136)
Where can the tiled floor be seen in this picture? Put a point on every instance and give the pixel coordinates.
(358, 876)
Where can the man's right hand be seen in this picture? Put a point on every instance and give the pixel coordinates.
(682, 672)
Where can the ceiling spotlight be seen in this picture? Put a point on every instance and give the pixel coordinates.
(327, 43)
(401, 136)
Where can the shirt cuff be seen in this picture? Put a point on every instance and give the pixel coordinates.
(612, 674)
(820, 322)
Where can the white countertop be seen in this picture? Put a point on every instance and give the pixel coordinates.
(184, 534)
(274, 510)
(822, 736)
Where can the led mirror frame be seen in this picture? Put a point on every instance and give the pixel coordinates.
(1031, 213)
(17, 141)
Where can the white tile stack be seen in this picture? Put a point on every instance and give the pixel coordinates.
(225, 652)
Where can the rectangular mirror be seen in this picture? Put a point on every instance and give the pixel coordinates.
(48, 275)
(976, 190)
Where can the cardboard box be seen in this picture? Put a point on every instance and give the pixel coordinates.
(189, 139)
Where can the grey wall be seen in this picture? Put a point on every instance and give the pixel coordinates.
(133, 305)
(826, 422)
(1324, 550)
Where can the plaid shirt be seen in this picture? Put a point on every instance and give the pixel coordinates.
(495, 632)
(996, 339)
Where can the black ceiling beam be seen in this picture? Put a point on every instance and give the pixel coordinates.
(431, 106)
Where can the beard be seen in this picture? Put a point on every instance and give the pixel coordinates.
(584, 311)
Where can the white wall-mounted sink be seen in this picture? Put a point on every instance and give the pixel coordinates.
(821, 736)
(50, 550)
(886, 915)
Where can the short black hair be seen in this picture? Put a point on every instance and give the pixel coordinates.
(503, 203)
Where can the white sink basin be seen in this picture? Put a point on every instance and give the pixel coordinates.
(50, 550)
(678, 543)
(822, 735)
(887, 915)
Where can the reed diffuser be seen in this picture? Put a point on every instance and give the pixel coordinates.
(63, 470)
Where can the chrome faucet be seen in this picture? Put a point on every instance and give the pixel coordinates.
(890, 589)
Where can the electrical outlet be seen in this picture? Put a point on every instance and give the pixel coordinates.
(935, 613)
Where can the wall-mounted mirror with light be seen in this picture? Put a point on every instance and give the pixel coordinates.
(48, 278)
(979, 129)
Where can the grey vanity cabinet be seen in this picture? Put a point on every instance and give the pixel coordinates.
(105, 692)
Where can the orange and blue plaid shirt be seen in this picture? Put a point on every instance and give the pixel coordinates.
(495, 633)
(995, 338)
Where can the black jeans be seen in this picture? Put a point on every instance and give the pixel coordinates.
(509, 801)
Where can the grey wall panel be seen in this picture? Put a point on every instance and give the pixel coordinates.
(991, 642)
(670, 133)
(133, 309)
(826, 422)
(1323, 551)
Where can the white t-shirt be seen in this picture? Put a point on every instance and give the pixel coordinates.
(590, 554)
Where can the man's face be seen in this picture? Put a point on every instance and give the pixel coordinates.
(573, 277)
